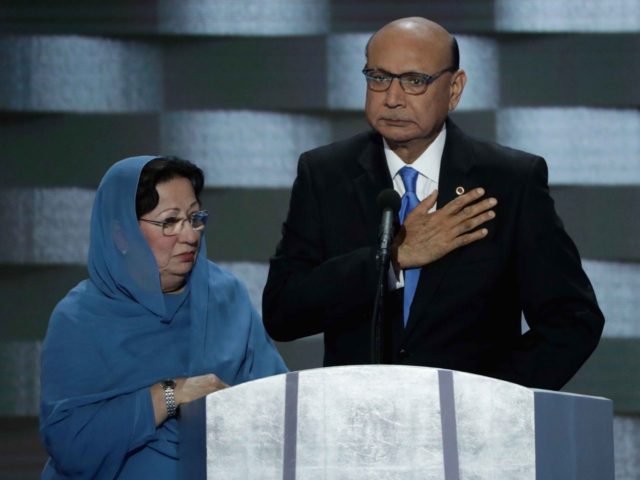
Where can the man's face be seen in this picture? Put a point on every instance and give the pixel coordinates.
(400, 117)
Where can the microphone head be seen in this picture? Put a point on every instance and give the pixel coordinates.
(389, 198)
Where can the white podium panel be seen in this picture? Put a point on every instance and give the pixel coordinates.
(395, 422)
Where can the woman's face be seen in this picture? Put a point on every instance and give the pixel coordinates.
(175, 255)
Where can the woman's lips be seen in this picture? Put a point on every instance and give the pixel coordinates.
(186, 257)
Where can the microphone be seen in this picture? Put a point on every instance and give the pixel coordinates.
(389, 202)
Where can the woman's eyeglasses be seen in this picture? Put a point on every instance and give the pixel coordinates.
(173, 226)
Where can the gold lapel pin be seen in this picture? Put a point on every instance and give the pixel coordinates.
(459, 190)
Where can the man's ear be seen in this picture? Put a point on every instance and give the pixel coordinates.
(456, 87)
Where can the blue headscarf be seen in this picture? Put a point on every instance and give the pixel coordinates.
(109, 336)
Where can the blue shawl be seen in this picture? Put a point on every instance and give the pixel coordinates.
(112, 336)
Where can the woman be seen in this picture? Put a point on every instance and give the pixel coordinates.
(155, 326)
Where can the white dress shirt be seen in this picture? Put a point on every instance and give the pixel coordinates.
(428, 167)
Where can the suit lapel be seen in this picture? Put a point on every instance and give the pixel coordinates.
(457, 160)
(369, 182)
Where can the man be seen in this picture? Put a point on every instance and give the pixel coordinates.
(492, 249)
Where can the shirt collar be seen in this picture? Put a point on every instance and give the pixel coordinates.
(427, 164)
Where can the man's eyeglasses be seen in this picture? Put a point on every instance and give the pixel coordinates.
(173, 225)
(411, 82)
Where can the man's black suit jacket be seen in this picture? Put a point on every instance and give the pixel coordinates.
(466, 313)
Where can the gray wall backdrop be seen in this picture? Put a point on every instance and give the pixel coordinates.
(241, 88)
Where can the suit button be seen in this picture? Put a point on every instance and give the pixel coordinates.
(403, 354)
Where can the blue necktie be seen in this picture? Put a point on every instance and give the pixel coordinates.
(409, 201)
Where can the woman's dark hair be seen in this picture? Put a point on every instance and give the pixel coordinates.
(160, 170)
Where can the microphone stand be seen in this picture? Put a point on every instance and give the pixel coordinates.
(389, 202)
(383, 259)
(377, 344)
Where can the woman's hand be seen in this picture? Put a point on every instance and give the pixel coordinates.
(191, 388)
(187, 390)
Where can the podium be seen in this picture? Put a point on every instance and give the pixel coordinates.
(394, 422)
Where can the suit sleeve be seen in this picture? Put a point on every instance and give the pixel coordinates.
(309, 287)
(557, 298)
